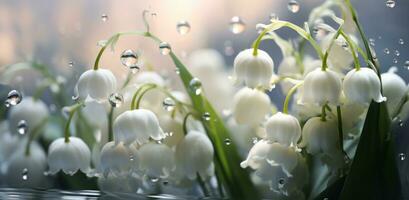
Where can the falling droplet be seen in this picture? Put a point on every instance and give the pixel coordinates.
(104, 17)
(227, 141)
(116, 100)
(71, 64)
(195, 86)
(164, 48)
(206, 116)
(401, 42)
(13, 98)
(168, 104)
(129, 59)
(237, 25)
(293, 6)
(24, 174)
(372, 42)
(386, 51)
(183, 27)
(228, 48)
(395, 60)
(390, 3)
(402, 156)
(397, 53)
(22, 127)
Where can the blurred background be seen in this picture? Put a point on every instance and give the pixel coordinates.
(64, 34)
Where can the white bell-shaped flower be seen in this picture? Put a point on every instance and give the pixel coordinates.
(253, 70)
(362, 86)
(320, 136)
(137, 125)
(204, 63)
(97, 84)
(156, 160)
(250, 106)
(194, 154)
(118, 158)
(32, 111)
(394, 89)
(321, 87)
(27, 170)
(340, 56)
(283, 128)
(69, 156)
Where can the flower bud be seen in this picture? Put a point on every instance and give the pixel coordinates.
(32, 111)
(137, 125)
(157, 160)
(394, 88)
(362, 86)
(254, 70)
(194, 154)
(283, 128)
(97, 84)
(250, 106)
(321, 87)
(69, 156)
(117, 158)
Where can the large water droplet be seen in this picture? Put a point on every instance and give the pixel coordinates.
(390, 3)
(237, 25)
(164, 48)
(227, 141)
(195, 86)
(22, 127)
(116, 100)
(402, 156)
(104, 17)
(293, 6)
(129, 59)
(183, 27)
(13, 98)
(168, 104)
(24, 174)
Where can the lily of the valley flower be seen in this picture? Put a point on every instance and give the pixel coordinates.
(250, 106)
(394, 89)
(362, 86)
(340, 57)
(283, 128)
(156, 160)
(194, 154)
(254, 70)
(118, 158)
(137, 125)
(69, 156)
(32, 111)
(97, 84)
(321, 87)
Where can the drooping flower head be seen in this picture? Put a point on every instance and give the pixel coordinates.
(250, 106)
(96, 84)
(283, 128)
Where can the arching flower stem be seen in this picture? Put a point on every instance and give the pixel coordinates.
(288, 97)
(33, 134)
(67, 125)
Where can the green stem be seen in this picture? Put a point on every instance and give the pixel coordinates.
(67, 125)
(202, 185)
(288, 97)
(110, 121)
(323, 113)
(258, 40)
(352, 47)
(185, 131)
(33, 134)
(138, 102)
(340, 131)
(135, 95)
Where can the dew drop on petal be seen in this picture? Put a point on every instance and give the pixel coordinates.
(183, 27)
(386, 51)
(237, 25)
(195, 86)
(164, 48)
(401, 42)
(168, 104)
(206, 116)
(116, 100)
(22, 127)
(293, 6)
(402, 156)
(13, 98)
(104, 17)
(24, 174)
(129, 59)
(227, 141)
(390, 3)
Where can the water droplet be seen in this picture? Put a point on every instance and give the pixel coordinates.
(104, 17)
(372, 42)
(129, 59)
(102, 43)
(165, 182)
(293, 6)
(131, 158)
(228, 48)
(154, 179)
(401, 42)
(400, 122)
(254, 140)
(22, 127)
(274, 16)
(116, 100)
(195, 86)
(75, 97)
(395, 60)
(168, 104)
(206, 116)
(183, 27)
(227, 141)
(390, 3)
(164, 48)
(386, 51)
(237, 25)
(13, 98)
(407, 64)
(281, 183)
(402, 156)
(46, 173)
(71, 64)
(177, 71)
(397, 53)
(24, 174)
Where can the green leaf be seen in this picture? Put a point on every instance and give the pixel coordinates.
(227, 160)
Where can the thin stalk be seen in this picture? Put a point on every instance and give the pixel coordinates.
(323, 113)
(340, 131)
(110, 121)
(202, 185)
(32, 135)
(288, 97)
(324, 65)
(258, 41)
(219, 184)
(134, 97)
(352, 45)
(138, 102)
(67, 125)
(185, 131)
